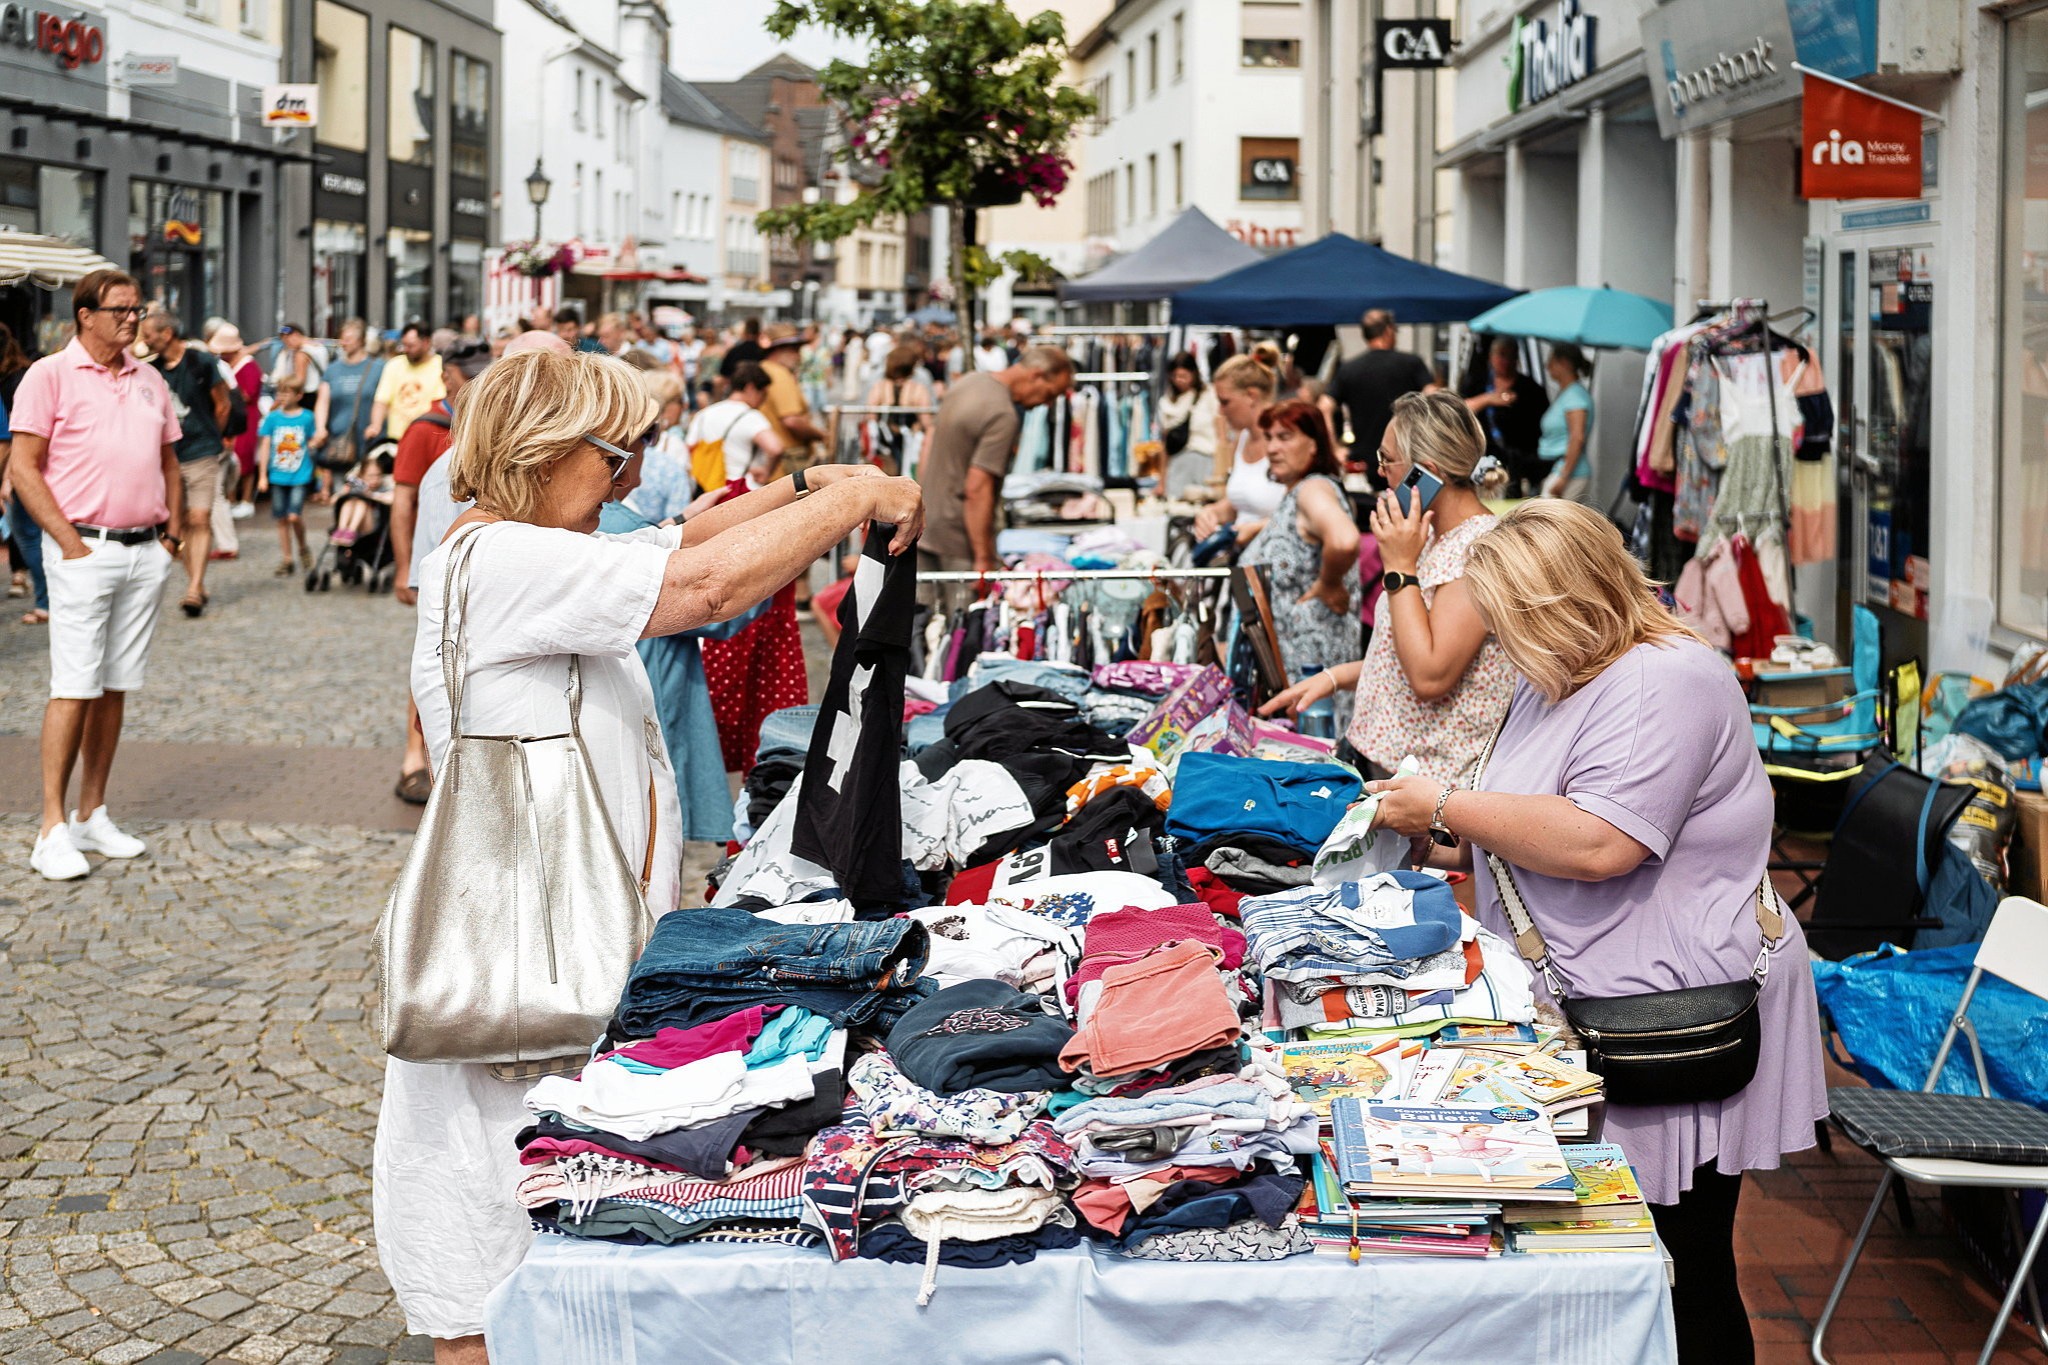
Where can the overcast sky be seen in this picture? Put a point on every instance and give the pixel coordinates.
(719, 40)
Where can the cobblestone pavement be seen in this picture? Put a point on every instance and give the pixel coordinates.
(188, 1089)
(268, 664)
(188, 1078)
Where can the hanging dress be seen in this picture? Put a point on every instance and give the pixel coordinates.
(755, 674)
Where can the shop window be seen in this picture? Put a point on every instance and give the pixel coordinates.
(341, 261)
(1267, 168)
(1270, 54)
(177, 248)
(411, 276)
(465, 279)
(410, 107)
(2023, 372)
(469, 112)
(341, 67)
(52, 200)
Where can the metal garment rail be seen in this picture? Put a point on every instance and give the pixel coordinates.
(1062, 575)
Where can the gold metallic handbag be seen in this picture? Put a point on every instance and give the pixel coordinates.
(509, 934)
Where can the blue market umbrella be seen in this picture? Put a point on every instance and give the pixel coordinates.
(1586, 317)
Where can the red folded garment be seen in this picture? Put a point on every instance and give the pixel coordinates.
(1127, 935)
(1213, 892)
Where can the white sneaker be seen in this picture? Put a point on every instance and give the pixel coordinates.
(57, 858)
(242, 511)
(98, 834)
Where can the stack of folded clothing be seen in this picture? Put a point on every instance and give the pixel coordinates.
(1202, 1169)
(700, 965)
(1116, 937)
(944, 1157)
(1392, 954)
(687, 1132)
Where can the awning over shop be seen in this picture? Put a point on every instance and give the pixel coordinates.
(1188, 251)
(599, 269)
(1332, 281)
(49, 262)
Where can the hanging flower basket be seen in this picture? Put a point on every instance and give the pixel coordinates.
(537, 261)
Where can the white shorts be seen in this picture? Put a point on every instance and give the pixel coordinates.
(103, 610)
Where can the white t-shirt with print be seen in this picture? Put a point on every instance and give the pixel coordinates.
(738, 424)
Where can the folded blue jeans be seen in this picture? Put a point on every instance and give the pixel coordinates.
(705, 964)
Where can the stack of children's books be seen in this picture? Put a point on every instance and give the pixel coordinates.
(1341, 1224)
(1606, 1214)
(1447, 1150)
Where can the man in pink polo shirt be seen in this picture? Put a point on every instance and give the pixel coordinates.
(95, 463)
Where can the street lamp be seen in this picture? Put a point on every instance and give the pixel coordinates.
(537, 187)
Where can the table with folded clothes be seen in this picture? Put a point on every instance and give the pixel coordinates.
(1035, 1105)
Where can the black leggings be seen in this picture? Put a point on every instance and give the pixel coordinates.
(1699, 1232)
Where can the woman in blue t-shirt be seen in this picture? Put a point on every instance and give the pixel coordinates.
(347, 392)
(1564, 438)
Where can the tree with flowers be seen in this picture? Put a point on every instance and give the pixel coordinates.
(960, 103)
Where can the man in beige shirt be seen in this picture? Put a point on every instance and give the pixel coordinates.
(972, 444)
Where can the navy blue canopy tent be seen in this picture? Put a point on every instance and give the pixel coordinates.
(1331, 281)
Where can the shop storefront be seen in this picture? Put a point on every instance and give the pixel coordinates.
(1711, 202)
(180, 188)
(400, 194)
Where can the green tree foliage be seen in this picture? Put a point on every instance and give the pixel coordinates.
(960, 103)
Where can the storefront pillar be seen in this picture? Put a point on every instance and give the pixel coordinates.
(1694, 197)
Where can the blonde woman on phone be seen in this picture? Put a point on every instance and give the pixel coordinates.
(1433, 683)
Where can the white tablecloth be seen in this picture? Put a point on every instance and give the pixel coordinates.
(587, 1303)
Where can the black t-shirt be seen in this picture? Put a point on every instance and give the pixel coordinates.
(742, 352)
(1512, 431)
(1365, 388)
(191, 382)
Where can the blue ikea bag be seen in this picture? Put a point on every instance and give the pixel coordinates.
(1891, 1008)
(1295, 803)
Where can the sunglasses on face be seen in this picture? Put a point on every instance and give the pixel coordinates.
(618, 459)
(134, 310)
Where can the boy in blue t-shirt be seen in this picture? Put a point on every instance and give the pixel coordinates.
(285, 459)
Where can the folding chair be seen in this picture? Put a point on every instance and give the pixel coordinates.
(1969, 1140)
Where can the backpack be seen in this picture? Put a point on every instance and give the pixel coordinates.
(238, 413)
(707, 458)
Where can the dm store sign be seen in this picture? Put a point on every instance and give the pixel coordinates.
(1544, 57)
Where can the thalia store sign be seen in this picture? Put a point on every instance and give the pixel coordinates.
(1545, 57)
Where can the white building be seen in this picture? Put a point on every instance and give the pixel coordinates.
(574, 111)
(1668, 161)
(698, 140)
(1200, 102)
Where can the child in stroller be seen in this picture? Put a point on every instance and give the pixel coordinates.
(359, 547)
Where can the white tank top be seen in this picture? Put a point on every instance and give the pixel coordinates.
(1255, 496)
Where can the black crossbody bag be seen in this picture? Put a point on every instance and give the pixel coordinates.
(1688, 1046)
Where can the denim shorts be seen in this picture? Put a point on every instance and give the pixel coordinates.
(287, 499)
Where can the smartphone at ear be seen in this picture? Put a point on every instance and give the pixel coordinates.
(1420, 483)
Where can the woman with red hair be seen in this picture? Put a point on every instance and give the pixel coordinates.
(1309, 548)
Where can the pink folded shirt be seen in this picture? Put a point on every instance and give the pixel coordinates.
(1154, 1011)
(1127, 935)
(670, 1048)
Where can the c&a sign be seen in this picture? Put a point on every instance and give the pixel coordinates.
(1857, 146)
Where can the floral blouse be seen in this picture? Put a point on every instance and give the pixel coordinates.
(1389, 722)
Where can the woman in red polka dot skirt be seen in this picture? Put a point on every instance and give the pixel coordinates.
(754, 674)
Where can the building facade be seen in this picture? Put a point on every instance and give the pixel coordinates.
(136, 131)
(1198, 102)
(780, 97)
(398, 206)
(1665, 155)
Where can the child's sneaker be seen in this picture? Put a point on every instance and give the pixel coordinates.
(343, 536)
(284, 570)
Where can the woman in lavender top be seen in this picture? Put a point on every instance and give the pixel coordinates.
(1626, 793)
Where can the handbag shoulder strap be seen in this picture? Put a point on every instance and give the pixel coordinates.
(454, 624)
(1529, 940)
(454, 629)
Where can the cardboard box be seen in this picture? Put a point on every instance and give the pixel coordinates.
(2026, 860)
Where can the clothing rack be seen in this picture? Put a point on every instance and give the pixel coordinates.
(1063, 575)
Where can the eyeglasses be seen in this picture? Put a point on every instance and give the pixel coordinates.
(618, 459)
(135, 310)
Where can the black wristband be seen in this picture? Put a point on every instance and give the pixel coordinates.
(803, 485)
